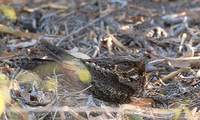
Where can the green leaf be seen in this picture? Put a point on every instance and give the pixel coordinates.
(4, 80)
(8, 12)
(4, 92)
(50, 85)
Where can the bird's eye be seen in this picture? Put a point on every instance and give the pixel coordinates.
(131, 79)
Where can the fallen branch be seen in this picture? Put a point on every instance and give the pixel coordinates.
(22, 44)
(173, 74)
(7, 30)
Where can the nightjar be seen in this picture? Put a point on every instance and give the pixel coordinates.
(112, 79)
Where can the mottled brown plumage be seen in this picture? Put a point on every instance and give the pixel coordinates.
(114, 79)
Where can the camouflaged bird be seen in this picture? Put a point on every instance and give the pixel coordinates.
(113, 79)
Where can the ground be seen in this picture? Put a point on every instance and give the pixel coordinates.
(164, 34)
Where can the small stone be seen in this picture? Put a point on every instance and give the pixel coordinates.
(198, 74)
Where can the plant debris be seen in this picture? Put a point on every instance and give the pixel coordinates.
(100, 59)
